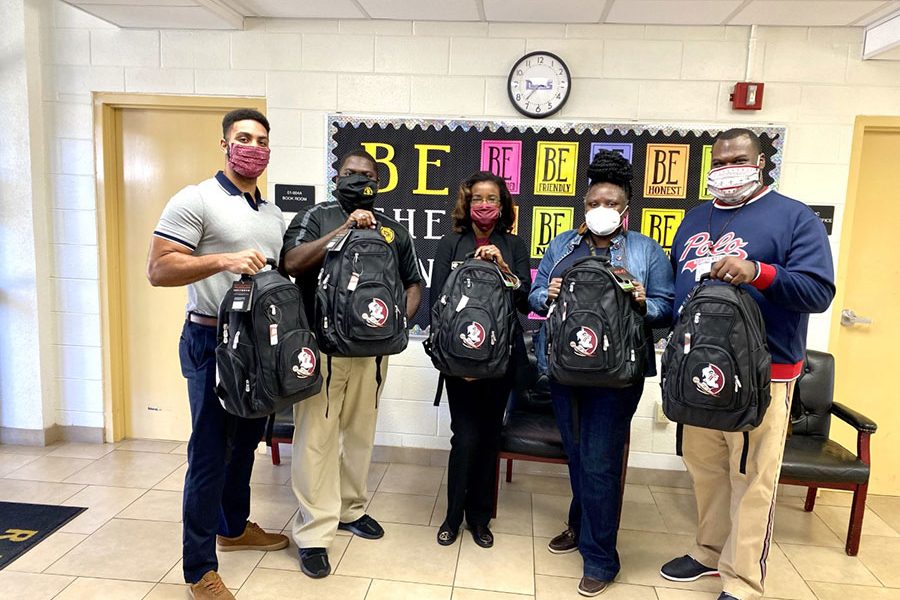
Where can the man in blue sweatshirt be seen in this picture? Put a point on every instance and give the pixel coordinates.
(777, 249)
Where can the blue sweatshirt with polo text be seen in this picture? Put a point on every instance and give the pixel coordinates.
(796, 274)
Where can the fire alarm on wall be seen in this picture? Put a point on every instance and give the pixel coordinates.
(747, 95)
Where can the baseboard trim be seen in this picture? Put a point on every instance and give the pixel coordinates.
(50, 435)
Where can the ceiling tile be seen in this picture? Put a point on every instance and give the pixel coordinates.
(423, 10)
(151, 17)
(808, 13)
(541, 11)
(671, 12)
(307, 9)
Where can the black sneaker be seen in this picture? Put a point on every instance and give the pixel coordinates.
(563, 543)
(314, 562)
(726, 596)
(591, 587)
(446, 536)
(365, 527)
(686, 568)
(482, 535)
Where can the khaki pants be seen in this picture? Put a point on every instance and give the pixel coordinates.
(334, 432)
(736, 510)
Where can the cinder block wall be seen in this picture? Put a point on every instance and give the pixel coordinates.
(815, 85)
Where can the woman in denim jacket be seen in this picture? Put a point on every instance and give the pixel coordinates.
(604, 415)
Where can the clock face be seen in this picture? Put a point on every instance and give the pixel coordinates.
(539, 84)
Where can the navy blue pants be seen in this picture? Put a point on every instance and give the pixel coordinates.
(603, 419)
(216, 491)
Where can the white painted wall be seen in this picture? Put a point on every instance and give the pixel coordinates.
(27, 395)
(815, 84)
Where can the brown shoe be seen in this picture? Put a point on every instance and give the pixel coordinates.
(253, 538)
(592, 587)
(563, 543)
(210, 587)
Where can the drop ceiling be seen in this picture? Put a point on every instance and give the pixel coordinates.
(229, 14)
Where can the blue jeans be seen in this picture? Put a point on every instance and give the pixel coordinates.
(216, 488)
(595, 452)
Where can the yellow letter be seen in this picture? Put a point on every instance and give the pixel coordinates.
(372, 148)
(17, 535)
(423, 149)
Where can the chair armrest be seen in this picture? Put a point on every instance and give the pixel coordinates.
(858, 421)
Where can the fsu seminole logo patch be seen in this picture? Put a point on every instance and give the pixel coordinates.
(473, 337)
(377, 313)
(584, 342)
(306, 364)
(708, 379)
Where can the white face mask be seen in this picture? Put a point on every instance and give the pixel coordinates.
(603, 221)
(733, 184)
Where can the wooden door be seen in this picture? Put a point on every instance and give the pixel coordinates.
(158, 150)
(869, 285)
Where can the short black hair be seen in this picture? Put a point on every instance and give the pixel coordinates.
(243, 114)
(609, 166)
(737, 132)
(462, 220)
(359, 153)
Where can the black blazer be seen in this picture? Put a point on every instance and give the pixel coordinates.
(454, 247)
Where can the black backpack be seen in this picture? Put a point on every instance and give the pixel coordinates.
(716, 366)
(360, 299)
(473, 322)
(267, 358)
(595, 336)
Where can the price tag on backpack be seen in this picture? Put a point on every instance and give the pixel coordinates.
(462, 303)
(624, 279)
(242, 295)
(337, 242)
(354, 281)
(702, 269)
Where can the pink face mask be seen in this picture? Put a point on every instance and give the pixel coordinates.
(484, 216)
(248, 161)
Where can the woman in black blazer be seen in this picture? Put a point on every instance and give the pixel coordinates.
(482, 220)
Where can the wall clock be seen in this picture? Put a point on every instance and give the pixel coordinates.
(539, 84)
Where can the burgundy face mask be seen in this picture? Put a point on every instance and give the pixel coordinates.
(248, 161)
(484, 215)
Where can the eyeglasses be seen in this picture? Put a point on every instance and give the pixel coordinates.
(485, 200)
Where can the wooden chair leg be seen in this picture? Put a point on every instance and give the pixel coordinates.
(508, 470)
(810, 499)
(496, 489)
(276, 453)
(857, 510)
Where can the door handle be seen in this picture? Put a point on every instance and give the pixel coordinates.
(850, 318)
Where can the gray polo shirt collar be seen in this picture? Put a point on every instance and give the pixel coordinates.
(254, 201)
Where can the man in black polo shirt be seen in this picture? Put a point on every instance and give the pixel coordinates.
(334, 431)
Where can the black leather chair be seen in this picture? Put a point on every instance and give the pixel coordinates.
(282, 433)
(530, 432)
(813, 460)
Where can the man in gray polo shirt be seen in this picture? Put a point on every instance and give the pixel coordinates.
(208, 235)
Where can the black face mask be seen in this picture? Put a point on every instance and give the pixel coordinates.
(356, 191)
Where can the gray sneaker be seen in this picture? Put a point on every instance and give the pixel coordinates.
(685, 568)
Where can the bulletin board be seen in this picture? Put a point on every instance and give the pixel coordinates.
(422, 161)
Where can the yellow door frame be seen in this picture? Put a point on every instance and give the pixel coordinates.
(862, 125)
(107, 155)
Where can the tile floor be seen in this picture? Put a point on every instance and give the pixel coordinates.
(127, 544)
